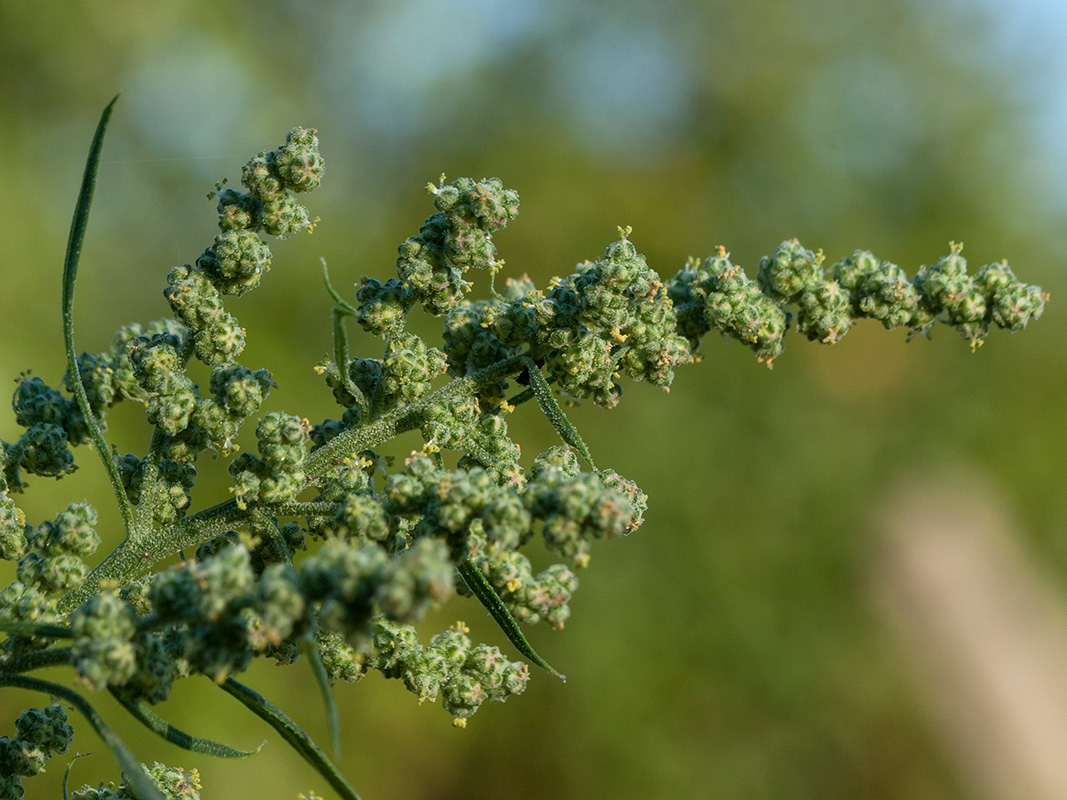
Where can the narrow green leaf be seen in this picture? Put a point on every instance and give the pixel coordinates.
(70, 273)
(341, 310)
(292, 733)
(564, 427)
(159, 726)
(134, 774)
(347, 307)
(311, 650)
(486, 594)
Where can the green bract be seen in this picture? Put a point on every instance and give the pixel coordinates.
(327, 551)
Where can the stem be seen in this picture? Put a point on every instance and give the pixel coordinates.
(37, 659)
(399, 420)
(133, 558)
(151, 486)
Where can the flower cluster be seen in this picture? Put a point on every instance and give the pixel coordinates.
(40, 734)
(403, 374)
(328, 550)
(51, 565)
(214, 614)
(277, 473)
(464, 675)
(457, 237)
(174, 783)
(13, 526)
(717, 294)
(611, 317)
(149, 365)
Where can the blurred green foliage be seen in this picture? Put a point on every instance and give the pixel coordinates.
(890, 126)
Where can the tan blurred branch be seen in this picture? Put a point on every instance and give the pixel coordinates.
(986, 632)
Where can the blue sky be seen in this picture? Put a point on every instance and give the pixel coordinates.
(1033, 34)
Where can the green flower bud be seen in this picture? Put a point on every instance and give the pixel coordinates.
(737, 308)
(548, 595)
(888, 296)
(238, 211)
(423, 577)
(1012, 304)
(341, 660)
(487, 201)
(45, 727)
(383, 307)
(157, 667)
(22, 758)
(260, 178)
(10, 785)
(220, 341)
(410, 367)
(103, 652)
(362, 515)
(825, 312)
(282, 216)
(851, 272)
(558, 458)
(43, 451)
(193, 297)
(394, 644)
(13, 525)
(344, 578)
(298, 163)
(34, 401)
(174, 782)
(507, 522)
(791, 271)
(239, 390)
(21, 602)
(236, 261)
(279, 603)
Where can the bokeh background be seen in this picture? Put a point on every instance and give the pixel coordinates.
(735, 646)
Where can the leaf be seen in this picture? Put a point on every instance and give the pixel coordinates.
(318, 669)
(134, 774)
(292, 733)
(550, 408)
(155, 723)
(486, 594)
(70, 273)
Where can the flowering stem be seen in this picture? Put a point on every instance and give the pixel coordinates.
(403, 418)
(37, 659)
